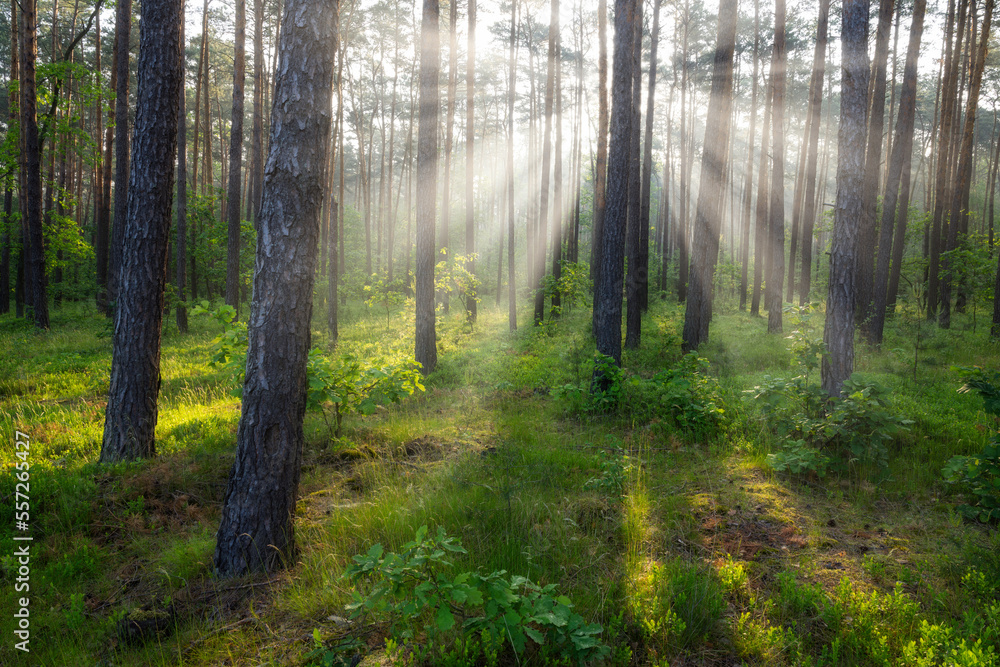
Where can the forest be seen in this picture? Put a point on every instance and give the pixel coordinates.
(523, 332)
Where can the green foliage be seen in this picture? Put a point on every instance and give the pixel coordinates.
(940, 645)
(346, 385)
(807, 348)
(685, 398)
(212, 239)
(683, 606)
(417, 586)
(979, 475)
(230, 347)
(573, 286)
(452, 276)
(615, 469)
(600, 395)
(820, 432)
(387, 295)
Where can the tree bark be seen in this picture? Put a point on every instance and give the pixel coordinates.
(868, 232)
(815, 111)
(748, 182)
(708, 215)
(123, 29)
(511, 293)
(608, 293)
(181, 258)
(776, 231)
(427, 148)
(130, 417)
(647, 165)
(256, 531)
(32, 194)
(234, 210)
(600, 180)
(761, 242)
(633, 313)
(902, 153)
(838, 334)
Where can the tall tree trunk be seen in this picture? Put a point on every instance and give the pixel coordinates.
(123, 28)
(470, 146)
(815, 112)
(543, 199)
(838, 334)
(557, 196)
(427, 148)
(633, 313)
(336, 201)
(647, 165)
(776, 232)
(130, 417)
(708, 215)
(868, 232)
(256, 531)
(682, 243)
(32, 190)
(234, 210)
(13, 109)
(445, 241)
(748, 182)
(601, 177)
(959, 203)
(608, 293)
(761, 241)
(181, 258)
(257, 149)
(511, 81)
(902, 154)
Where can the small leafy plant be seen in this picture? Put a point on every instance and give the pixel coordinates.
(615, 468)
(345, 385)
(428, 605)
(979, 475)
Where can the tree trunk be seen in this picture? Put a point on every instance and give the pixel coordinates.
(867, 234)
(123, 28)
(838, 334)
(256, 531)
(647, 165)
(511, 293)
(13, 108)
(959, 204)
(815, 112)
(233, 209)
(470, 146)
(776, 232)
(708, 215)
(748, 182)
(601, 177)
(902, 154)
(181, 258)
(682, 243)
(608, 293)
(32, 193)
(130, 417)
(761, 242)
(427, 148)
(557, 197)
(633, 313)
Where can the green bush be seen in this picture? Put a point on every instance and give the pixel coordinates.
(418, 593)
(979, 475)
(685, 398)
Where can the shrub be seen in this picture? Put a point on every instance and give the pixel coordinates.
(417, 586)
(979, 475)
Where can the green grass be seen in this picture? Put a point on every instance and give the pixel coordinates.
(705, 556)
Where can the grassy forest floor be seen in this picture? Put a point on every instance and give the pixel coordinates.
(659, 516)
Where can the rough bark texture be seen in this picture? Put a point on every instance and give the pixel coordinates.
(32, 187)
(181, 255)
(427, 147)
(838, 335)
(708, 215)
(815, 113)
(647, 165)
(608, 293)
(748, 182)
(123, 29)
(633, 313)
(256, 529)
(470, 147)
(960, 193)
(130, 418)
(601, 175)
(776, 225)
(233, 209)
(867, 234)
(902, 152)
(511, 294)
